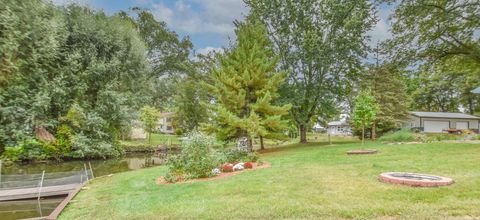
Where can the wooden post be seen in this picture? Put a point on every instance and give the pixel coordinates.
(86, 173)
(91, 170)
(1, 172)
(329, 140)
(41, 185)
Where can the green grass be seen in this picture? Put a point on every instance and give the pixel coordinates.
(144, 144)
(311, 181)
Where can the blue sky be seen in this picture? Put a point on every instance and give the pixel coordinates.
(209, 23)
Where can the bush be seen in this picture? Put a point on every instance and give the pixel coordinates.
(403, 135)
(84, 147)
(196, 160)
(444, 137)
(13, 153)
(235, 155)
(27, 150)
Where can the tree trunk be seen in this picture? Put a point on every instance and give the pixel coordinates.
(363, 135)
(249, 145)
(149, 137)
(261, 143)
(374, 132)
(303, 133)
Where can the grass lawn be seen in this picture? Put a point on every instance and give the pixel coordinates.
(312, 181)
(156, 139)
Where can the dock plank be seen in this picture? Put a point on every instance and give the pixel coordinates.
(29, 193)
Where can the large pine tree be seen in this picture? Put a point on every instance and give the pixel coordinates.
(243, 87)
(386, 84)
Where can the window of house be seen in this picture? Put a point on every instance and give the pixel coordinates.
(169, 119)
(169, 128)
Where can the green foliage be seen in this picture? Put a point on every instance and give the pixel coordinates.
(196, 160)
(234, 155)
(424, 29)
(244, 86)
(63, 143)
(404, 135)
(13, 153)
(320, 44)
(149, 117)
(80, 67)
(27, 150)
(189, 112)
(385, 81)
(84, 147)
(364, 112)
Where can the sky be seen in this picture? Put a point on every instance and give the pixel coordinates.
(208, 23)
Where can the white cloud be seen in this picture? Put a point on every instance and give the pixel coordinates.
(209, 16)
(208, 50)
(67, 2)
(381, 30)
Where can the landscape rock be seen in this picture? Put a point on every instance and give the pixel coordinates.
(216, 171)
(238, 166)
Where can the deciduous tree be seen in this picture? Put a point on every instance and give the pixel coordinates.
(364, 112)
(320, 44)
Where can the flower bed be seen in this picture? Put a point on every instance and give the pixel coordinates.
(161, 180)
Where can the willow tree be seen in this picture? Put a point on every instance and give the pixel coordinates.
(243, 87)
(320, 44)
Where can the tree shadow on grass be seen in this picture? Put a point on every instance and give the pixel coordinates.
(288, 147)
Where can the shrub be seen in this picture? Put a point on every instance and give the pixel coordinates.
(196, 160)
(403, 135)
(248, 165)
(444, 137)
(235, 155)
(84, 147)
(13, 153)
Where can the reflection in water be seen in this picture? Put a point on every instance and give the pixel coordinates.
(33, 208)
(28, 208)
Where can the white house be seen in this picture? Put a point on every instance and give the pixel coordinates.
(339, 128)
(437, 122)
(165, 124)
(318, 128)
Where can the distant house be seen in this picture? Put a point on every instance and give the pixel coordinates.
(318, 128)
(339, 128)
(437, 122)
(165, 124)
(477, 90)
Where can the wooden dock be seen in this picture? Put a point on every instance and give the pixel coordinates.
(33, 193)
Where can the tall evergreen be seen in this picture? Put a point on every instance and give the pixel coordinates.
(243, 87)
(387, 85)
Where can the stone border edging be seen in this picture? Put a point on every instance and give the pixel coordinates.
(389, 178)
(367, 151)
(161, 180)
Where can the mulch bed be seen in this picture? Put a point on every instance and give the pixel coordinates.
(161, 180)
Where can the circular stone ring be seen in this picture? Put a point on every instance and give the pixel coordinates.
(354, 152)
(415, 179)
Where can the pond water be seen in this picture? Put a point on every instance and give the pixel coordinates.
(33, 208)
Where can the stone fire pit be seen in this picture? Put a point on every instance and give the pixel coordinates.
(367, 151)
(415, 179)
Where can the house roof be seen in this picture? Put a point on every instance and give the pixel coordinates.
(477, 90)
(444, 115)
(337, 123)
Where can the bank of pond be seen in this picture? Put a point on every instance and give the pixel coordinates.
(43, 207)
